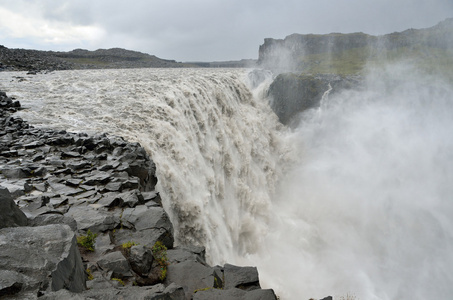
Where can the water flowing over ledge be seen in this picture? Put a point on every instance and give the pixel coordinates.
(356, 199)
(217, 147)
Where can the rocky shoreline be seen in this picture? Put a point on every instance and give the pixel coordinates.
(80, 219)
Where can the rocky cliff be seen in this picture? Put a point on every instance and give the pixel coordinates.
(308, 65)
(347, 53)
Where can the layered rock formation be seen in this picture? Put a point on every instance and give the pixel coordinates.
(80, 219)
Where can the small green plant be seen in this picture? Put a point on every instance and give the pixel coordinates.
(89, 274)
(218, 284)
(201, 290)
(128, 245)
(87, 241)
(160, 255)
(163, 274)
(119, 280)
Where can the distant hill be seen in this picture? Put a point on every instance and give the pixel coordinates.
(338, 53)
(114, 58)
(34, 60)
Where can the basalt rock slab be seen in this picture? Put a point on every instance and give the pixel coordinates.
(45, 258)
(143, 217)
(155, 292)
(96, 220)
(245, 278)
(238, 294)
(47, 219)
(180, 254)
(10, 214)
(192, 276)
(146, 225)
(146, 237)
(115, 263)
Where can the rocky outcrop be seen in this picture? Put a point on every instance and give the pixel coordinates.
(290, 94)
(39, 260)
(234, 294)
(30, 60)
(89, 223)
(11, 215)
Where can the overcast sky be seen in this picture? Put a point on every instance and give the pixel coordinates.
(201, 30)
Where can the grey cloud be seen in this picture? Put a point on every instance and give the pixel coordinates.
(223, 30)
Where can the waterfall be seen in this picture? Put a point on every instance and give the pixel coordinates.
(356, 200)
(217, 146)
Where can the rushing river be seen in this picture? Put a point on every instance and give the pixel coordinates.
(357, 200)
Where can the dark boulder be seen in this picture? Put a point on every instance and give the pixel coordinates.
(43, 259)
(290, 94)
(192, 276)
(140, 259)
(244, 278)
(10, 214)
(96, 220)
(115, 263)
(218, 294)
(53, 218)
(147, 226)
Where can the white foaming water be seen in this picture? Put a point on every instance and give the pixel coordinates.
(366, 209)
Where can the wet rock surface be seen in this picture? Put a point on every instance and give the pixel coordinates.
(292, 94)
(44, 258)
(80, 219)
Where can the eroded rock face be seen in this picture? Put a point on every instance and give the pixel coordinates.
(40, 259)
(291, 94)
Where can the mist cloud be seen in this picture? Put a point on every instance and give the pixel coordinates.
(367, 209)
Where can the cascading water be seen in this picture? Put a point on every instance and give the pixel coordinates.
(216, 147)
(365, 208)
